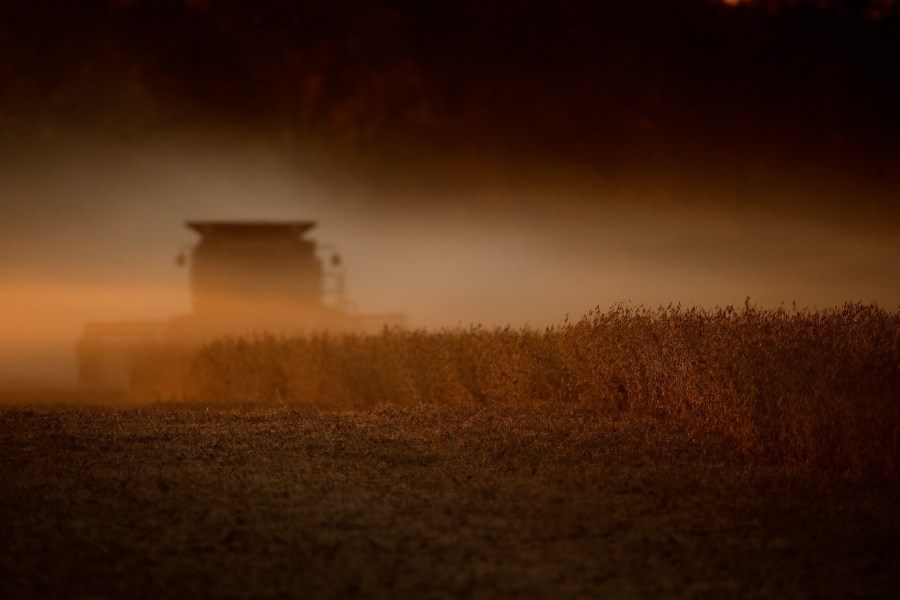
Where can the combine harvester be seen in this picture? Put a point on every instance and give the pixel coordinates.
(247, 277)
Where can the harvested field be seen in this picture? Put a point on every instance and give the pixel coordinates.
(634, 453)
(420, 501)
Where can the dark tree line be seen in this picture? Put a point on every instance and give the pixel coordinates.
(573, 78)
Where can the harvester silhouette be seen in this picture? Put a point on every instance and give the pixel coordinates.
(246, 277)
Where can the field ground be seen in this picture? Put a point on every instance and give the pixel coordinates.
(427, 501)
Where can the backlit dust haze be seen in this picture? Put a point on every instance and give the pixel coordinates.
(496, 165)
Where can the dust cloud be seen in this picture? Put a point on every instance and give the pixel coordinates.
(91, 232)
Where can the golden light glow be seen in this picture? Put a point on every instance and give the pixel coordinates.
(501, 253)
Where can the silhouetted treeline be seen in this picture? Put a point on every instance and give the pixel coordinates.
(573, 79)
